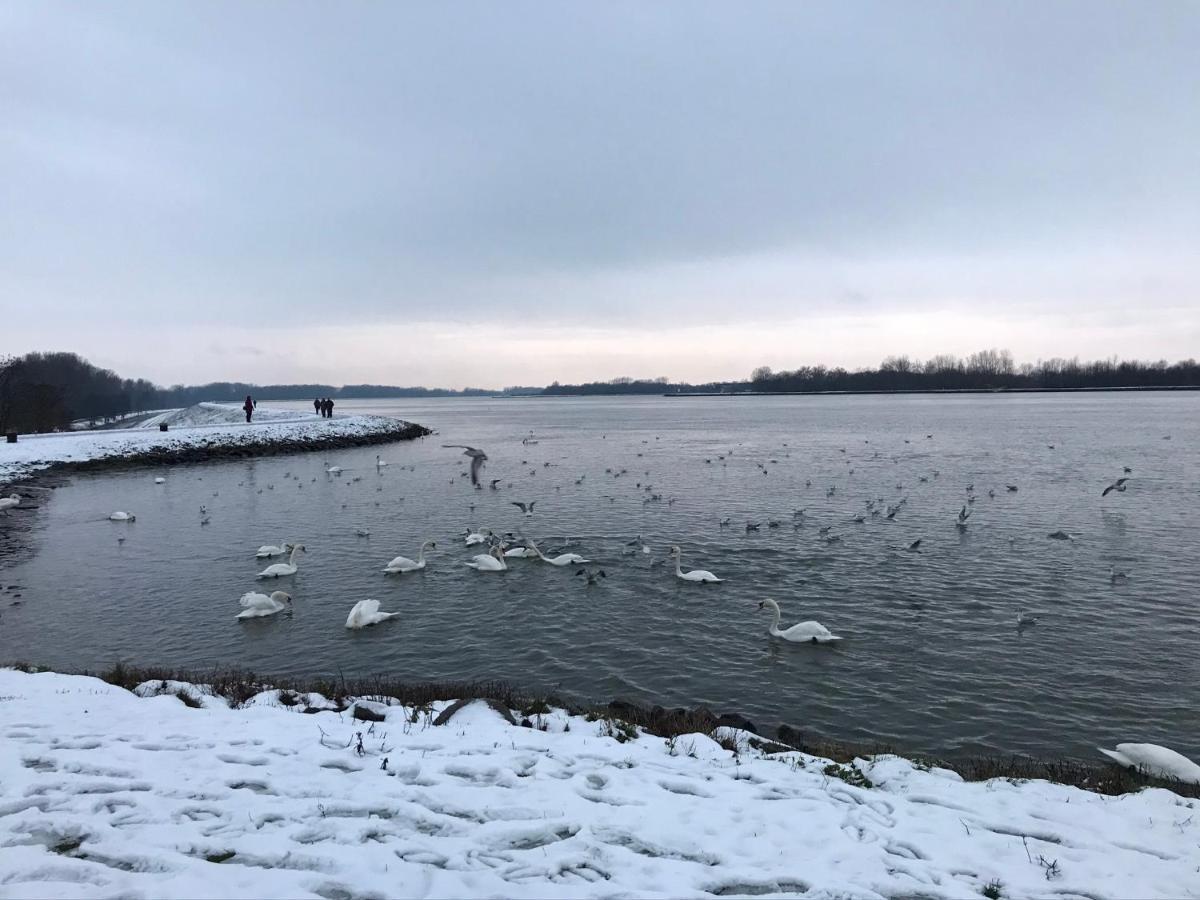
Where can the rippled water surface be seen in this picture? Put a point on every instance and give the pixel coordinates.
(931, 658)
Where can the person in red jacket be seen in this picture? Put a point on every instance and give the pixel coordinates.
(248, 406)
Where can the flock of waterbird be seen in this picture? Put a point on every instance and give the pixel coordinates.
(502, 547)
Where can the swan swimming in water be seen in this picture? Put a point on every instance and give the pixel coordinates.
(404, 564)
(122, 517)
(366, 612)
(565, 559)
(802, 632)
(266, 551)
(694, 575)
(255, 605)
(1151, 759)
(280, 569)
(7, 503)
(492, 561)
(521, 553)
(160, 480)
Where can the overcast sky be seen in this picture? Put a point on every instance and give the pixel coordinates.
(509, 193)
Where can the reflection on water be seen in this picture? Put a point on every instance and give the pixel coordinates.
(931, 657)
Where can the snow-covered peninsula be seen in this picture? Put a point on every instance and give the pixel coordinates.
(169, 791)
(212, 428)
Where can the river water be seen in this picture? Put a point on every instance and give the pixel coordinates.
(931, 657)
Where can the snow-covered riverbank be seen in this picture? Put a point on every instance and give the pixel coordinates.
(208, 427)
(104, 793)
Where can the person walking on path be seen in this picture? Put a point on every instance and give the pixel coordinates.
(317, 406)
(248, 406)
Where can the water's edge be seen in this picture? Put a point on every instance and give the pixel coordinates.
(238, 686)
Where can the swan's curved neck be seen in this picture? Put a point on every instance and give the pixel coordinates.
(775, 613)
(678, 570)
(292, 555)
(421, 554)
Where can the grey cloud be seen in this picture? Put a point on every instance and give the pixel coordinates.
(306, 161)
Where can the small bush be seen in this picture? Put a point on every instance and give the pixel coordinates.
(188, 700)
(993, 890)
(849, 774)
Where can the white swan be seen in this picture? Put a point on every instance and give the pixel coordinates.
(802, 632)
(280, 569)
(7, 503)
(565, 559)
(521, 553)
(380, 463)
(404, 564)
(1159, 762)
(266, 551)
(366, 612)
(160, 480)
(119, 516)
(255, 605)
(695, 574)
(492, 561)
(333, 470)
(477, 537)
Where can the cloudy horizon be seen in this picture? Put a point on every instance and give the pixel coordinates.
(489, 195)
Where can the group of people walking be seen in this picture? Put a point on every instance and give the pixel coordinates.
(323, 407)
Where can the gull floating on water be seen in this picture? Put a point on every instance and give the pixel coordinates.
(1024, 621)
(1116, 577)
(592, 575)
(9, 502)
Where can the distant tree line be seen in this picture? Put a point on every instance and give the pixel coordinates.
(48, 391)
(656, 386)
(983, 370)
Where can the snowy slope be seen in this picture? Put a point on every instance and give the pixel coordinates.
(103, 793)
(223, 414)
(204, 423)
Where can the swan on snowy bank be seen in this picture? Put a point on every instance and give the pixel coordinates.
(803, 632)
(1156, 761)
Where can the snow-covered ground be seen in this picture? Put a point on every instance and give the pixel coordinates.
(104, 793)
(205, 423)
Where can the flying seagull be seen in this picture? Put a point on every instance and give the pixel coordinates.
(526, 508)
(477, 459)
(1118, 485)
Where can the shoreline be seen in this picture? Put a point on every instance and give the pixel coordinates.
(934, 391)
(235, 789)
(236, 686)
(198, 445)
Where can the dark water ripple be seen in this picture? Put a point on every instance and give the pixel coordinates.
(931, 659)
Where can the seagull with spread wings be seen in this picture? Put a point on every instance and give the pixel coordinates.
(477, 459)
